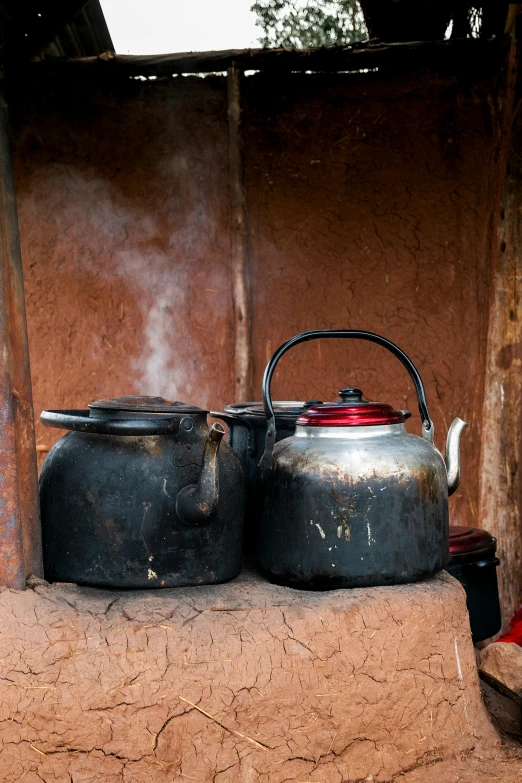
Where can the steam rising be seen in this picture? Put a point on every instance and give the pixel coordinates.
(163, 260)
(155, 367)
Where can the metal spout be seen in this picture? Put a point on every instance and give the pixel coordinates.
(196, 503)
(453, 454)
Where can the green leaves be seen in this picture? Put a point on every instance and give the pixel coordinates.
(309, 23)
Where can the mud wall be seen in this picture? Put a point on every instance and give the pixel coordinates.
(371, 201)
(124, 229)
(371, 205)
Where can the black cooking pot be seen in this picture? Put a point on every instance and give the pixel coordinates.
(246, 423)
(474, 563)
(140, 494)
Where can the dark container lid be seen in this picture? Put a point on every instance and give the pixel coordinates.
(465, 540)
(129, 416)
(143, 405)
(352, 410)
(286, 409)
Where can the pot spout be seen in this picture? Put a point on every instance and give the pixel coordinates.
(196, 503)
(453, 454)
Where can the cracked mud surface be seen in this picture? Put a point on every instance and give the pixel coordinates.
(504, 767)
(242, 683)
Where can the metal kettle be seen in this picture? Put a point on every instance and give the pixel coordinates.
(140, 493)
(352, 499)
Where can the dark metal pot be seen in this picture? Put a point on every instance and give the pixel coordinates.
(474, 563)
(140, 494)
(246, 423)
(353, 499)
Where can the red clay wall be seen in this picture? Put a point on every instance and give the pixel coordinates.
(370, 205)
(124, 228)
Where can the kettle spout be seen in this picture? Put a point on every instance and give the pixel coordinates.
(196, 503)
(453, 454)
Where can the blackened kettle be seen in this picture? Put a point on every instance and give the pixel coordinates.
(352, 499)
(140, 494)
(247, 425)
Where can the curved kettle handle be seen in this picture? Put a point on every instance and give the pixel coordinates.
(427, 424)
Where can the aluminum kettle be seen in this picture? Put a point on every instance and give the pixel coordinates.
(352, 498)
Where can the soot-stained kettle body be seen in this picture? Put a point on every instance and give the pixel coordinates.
(247, 427)
(140, 494)
(352, 499)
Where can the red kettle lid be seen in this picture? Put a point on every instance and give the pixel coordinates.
(352, 410)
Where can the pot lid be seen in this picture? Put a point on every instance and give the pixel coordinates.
(469, 539)
(289, 409)
(144, 405)
(352, 410)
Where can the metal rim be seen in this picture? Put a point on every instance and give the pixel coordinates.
(282, 408)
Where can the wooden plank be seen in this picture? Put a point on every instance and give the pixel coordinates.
(238, 244)
(500, 480)
(471, 54)
(20, 541)
(500, 687)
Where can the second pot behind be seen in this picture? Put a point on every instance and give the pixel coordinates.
(246, 422)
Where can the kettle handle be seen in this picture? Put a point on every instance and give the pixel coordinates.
(427, 424)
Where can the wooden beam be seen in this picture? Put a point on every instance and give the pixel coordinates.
(473, 55)
(239, 244)
(501, 442)
(20, 539)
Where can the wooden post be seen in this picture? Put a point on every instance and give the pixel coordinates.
(238, 244)
(20, 539)
(501, 450)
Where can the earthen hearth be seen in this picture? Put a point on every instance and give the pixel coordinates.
(236, 683)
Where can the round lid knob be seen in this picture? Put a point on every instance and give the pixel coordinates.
(351, 395)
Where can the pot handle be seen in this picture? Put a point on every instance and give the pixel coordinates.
(80, 421)
(427, 424)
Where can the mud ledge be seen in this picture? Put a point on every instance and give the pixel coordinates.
(239, 682)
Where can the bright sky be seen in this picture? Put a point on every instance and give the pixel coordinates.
(163, 26)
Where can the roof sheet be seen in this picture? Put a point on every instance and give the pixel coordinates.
(71, 28)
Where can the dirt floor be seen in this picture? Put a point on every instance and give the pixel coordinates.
(470, 769)
(504, 766)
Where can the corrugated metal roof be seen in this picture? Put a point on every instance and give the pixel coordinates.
(70, 28)
(85, 35)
